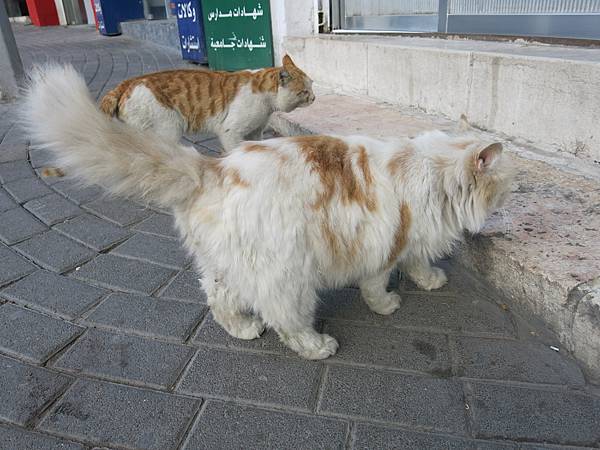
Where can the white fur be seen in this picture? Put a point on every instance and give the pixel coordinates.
(260, 246)
(144, 112)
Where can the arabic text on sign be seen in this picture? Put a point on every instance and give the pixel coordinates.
(186, 11)
(236, 12)
(233, 43)
(190, 43)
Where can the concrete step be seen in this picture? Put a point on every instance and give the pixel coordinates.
(161, 32)
(546, 94)
(542, 251)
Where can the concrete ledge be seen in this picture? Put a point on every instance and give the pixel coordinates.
(161, 32)
(549, 95)
(542, 251)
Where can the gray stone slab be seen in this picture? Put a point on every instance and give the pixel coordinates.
(515, 360)
(32, 336)
(14, 170)
(517, 413)
(185, 286)
(6, 201)
(526, 446)
(122, 212)
(40, 158)
(154, 249)
(132, 359)
(13, 151)
(367, 437)
(27, 189)
(410, 400)
(124, 274)
(225, 425)
(161, 224)
(52, 293)
(26, 390)
(111, 414)
(210, 332)
(53, 251)
(12, 438)
(260, 378)
(77, 193)
(419, 311)
(147, 316)
(12, 266)
(391, 347)
(17, 225)
(53, 208)
(92, 231)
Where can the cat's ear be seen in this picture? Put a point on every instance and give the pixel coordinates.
(284, 77)
(487, 157)
(463, 124)
(287, 61)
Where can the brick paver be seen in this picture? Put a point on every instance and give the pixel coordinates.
(106, 340)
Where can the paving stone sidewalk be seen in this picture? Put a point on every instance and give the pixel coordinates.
(106, 340)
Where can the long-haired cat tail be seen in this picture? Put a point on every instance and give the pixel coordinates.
(274, 221)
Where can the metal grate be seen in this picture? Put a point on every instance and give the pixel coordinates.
(507, 7)
(390, 7)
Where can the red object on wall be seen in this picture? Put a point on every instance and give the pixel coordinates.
(42, 12)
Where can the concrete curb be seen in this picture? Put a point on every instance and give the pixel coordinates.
(573, 314)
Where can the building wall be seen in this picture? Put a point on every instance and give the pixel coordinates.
(292, 18)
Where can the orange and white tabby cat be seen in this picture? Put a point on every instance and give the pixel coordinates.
(236, 106)
(274, 221)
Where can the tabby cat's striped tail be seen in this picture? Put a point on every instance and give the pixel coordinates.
(110, 102)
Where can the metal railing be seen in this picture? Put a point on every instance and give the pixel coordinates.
(545, 18)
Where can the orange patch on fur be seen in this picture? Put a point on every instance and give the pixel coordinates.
(399, 164)
(401, 235)
(257, 148)
(266, 80)
(52, 172)
(331, 159)
(363, 163)
(234, 176)
(222, 175)
(342, 251)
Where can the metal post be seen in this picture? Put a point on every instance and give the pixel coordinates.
(443, 16)
(11, 67)
(338, 11)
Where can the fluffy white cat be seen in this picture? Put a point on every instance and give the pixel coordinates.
(274, 221)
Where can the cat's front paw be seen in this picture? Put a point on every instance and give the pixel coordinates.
(324, 348)
(384, 305)
(432, 279)
(247, 328)
(311, 345)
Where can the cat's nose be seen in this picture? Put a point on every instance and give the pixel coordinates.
(311, 98)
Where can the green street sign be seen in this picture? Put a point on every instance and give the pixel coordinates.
(238, 34)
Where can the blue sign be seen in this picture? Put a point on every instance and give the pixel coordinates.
(110, 14)
(191, 30)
